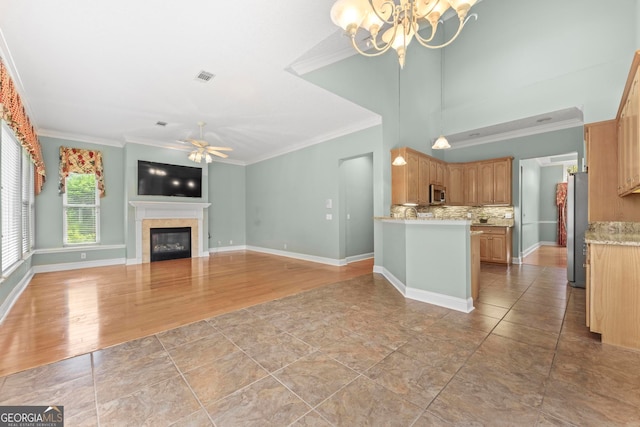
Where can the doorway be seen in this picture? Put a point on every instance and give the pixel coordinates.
(356, 208)
(538, 219)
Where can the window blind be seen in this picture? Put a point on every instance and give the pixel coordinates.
(81, 207)
(11, 201)
(27, 203)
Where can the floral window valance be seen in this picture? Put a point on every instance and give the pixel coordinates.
(13, 112)
(76, 160)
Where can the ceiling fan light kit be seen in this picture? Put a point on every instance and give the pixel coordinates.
(398, 21)
(204, 150)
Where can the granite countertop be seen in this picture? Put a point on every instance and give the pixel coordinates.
(613, 233)
(495, 223)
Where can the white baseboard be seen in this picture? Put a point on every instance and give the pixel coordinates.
(227, 249)
(447, 301)
(13, 296)
(357, 258)
(529, 250)
(47, 268)
(549, 243)
(304, 257)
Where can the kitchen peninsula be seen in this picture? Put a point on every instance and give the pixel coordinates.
(431, 260)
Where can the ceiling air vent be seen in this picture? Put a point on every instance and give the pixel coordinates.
(161, 123)
(204, 76)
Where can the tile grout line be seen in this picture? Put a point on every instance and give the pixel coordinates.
(185, 381)
(474, 352)
(95, 388)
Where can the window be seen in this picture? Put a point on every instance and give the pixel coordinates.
(17, 184)
(81, 203)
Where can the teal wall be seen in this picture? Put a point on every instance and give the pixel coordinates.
(356, 203)
(439, 259)
(286, 195)
(227, 213)
(395, 250)
(48, 205)
(523, 58)
(550, 176)
(49, 214)
(530, 207)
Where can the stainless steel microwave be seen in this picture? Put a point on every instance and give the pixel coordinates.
(436, 194)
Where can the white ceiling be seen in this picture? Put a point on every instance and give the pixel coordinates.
(107, 71)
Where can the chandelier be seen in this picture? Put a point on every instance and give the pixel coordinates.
(394, 23)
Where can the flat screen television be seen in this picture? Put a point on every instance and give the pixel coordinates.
(160, 179)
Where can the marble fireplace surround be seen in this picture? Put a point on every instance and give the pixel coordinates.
(168, 214)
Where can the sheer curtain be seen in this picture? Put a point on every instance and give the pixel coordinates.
(561, 203)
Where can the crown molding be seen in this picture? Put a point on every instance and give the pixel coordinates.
(305, 66)
(354, 127)
(534, 130)
(79, 138)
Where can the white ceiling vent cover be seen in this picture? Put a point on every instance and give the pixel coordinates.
(204, 76)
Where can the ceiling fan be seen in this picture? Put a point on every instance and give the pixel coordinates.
(204, 150)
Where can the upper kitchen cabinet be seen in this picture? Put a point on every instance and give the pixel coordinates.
(471, 184)
(423, 180)
(495, 181)
(437, 171)
(628, 123)
(410, 182)
(456, 188)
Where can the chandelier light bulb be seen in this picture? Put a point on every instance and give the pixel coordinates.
(397, 21)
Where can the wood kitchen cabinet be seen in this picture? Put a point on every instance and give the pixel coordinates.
(628, 127)
(602, 159)
(409, 183)
(423, 180)
(471, 184)
(495, 244)
(494, 186)
(613, 294)
(456, 189)
(486, 182)
(437, 171)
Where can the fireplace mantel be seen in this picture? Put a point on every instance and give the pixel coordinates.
(170, 211)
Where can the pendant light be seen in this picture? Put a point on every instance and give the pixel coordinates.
(399, 160)
(441, 143)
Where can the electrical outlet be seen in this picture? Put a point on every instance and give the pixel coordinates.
(83, 255)
(329, 217)
(231, 242)
(468, 214)
(285, 246)
(219, 243)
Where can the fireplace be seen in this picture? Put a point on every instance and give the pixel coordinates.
(169, 243)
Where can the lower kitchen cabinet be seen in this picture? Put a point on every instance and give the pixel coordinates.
(495, 244)
(613, 293)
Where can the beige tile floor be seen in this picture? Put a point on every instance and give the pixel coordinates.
(357, 353)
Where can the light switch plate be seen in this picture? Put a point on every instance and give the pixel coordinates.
(329, 204)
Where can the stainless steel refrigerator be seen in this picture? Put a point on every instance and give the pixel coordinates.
(577, 224)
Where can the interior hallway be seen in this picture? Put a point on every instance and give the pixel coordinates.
(354, 352)
(548, 256)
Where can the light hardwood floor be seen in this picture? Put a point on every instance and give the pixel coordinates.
(547, 256)
(64, 314)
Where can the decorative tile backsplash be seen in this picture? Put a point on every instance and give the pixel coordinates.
(612, 227)
(493, 214)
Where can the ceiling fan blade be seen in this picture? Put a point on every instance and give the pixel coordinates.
(209, 147)
(198, 143)
(217, 153)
